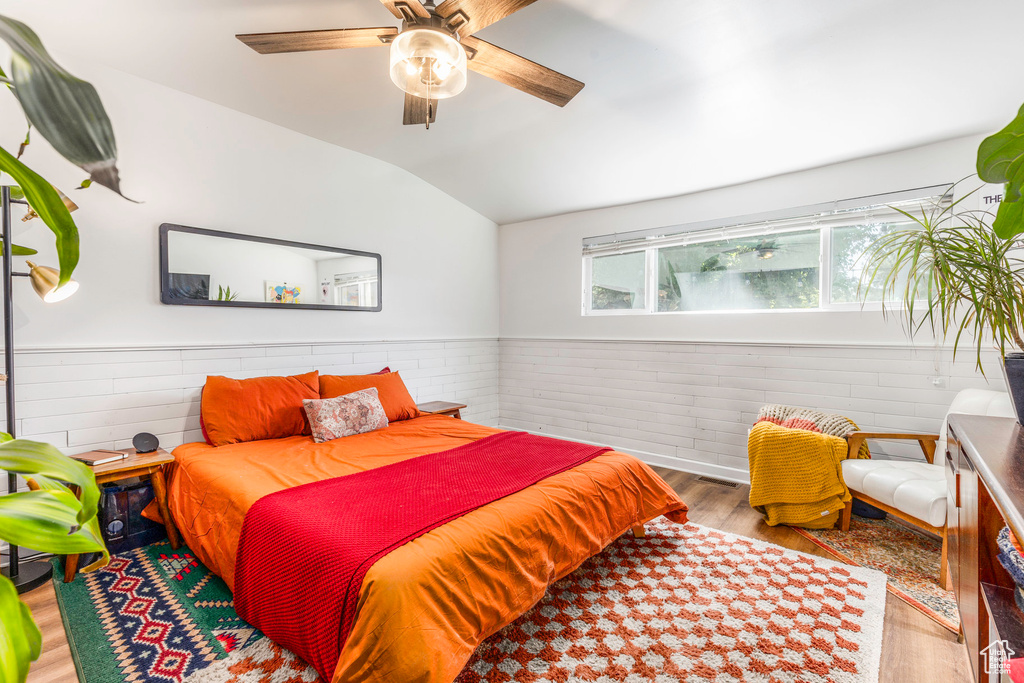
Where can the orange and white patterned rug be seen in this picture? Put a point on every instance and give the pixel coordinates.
(685, 604)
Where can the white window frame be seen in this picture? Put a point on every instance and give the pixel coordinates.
(649, 273)
(802, 219)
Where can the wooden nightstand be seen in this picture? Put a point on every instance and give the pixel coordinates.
(142, 465)
(442, 408)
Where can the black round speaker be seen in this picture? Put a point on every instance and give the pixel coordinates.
(145, 442)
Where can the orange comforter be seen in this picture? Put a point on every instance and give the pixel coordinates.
(425, 607)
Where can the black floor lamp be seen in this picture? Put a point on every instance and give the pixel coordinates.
(24, 575)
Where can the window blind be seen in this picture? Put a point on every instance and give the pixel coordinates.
(860, 211)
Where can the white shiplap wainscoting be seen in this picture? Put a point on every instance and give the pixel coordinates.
(78, 399)
(689, 406)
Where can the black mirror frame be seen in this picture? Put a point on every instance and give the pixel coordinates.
(165, 276)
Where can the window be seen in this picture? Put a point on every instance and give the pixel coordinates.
(776, 271)
(847, 264)
(809, 258)
(618, 282)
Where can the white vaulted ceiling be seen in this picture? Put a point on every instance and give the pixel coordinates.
(680, 96)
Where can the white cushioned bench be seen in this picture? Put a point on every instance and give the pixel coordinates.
(915, 488)
(915, 491)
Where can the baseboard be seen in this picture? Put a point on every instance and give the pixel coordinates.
(677, 464)
(694, 467)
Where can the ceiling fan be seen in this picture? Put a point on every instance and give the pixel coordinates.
(431, 52)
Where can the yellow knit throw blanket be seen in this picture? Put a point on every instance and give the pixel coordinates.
(796, 476)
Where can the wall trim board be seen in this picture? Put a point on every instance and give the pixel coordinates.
(704, 342)
(113, 348)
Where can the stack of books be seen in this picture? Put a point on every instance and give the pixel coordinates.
(99, 457)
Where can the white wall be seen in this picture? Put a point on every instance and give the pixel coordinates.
(191, 162)
(681, 390)
(541, 264)
(112, 361)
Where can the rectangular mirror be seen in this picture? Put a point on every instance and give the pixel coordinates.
(212, 268)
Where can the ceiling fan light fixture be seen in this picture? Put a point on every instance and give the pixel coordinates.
(429, 63)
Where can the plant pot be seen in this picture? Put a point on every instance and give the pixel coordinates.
(1013, 370)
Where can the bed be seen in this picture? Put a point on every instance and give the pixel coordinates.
(424, 608)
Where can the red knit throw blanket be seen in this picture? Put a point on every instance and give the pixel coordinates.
(304, 551)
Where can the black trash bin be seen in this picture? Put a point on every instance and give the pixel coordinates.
(121, 521)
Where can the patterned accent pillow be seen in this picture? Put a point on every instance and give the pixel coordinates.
(355, 413)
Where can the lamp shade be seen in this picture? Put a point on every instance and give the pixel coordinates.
(44, 281)
(428, 63)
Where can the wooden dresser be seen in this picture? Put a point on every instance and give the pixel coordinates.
(985, 477)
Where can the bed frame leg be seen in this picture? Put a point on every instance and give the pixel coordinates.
(638, 531)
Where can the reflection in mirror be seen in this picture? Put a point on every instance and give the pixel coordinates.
(208, 267)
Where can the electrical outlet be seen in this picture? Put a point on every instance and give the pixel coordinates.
(938, 382)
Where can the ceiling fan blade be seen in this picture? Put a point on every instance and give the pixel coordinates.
(329, 39)
(416, 109)
(470, 16)
(415, 6)
(519, 72)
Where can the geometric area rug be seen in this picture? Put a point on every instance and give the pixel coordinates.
(686, 603)
(909, 558)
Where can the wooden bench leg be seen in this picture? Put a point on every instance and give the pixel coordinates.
(70, 568)
(70, 561)
(638, 531)
(845, 515)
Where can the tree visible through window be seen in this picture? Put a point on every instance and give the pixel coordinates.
(773, 271)
(849, 243)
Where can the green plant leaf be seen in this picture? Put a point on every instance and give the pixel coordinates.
(66, 110)
(952, 272)
(1001, 160)
(46, 520)
(46, 202)
(41, 461)
(20, 639)
(1009, 219)
(18, 250)
(1001, 157)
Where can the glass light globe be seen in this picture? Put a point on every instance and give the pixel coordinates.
(428, 63)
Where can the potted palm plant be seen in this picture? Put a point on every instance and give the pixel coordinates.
(958, 272)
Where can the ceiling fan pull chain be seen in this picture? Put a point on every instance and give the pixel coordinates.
(430, 102)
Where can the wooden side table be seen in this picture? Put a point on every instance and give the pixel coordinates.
(442, 408)
(142, 465)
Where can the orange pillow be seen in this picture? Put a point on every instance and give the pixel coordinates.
(398, 404)
(237, 410)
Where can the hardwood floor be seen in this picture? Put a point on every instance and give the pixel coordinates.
(54, 664)
(914, 648)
